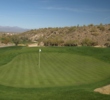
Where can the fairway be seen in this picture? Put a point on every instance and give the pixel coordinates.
(56, 69)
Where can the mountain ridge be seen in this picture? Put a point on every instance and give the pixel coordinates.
(12, 29)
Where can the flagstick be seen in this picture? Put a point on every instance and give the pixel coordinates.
(39, 59)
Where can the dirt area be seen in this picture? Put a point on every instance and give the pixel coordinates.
(100, 46)
(36, 44)
(32, 45)
(103, 90)
(6, 45)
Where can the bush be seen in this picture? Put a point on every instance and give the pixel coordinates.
(88, 42)
(107, 44)
(71, 43)
(53, 42)
(93, 29)
(101, 27)
(95, 33)
(5, 39)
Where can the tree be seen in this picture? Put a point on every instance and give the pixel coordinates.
(16, 39)
(24, 39)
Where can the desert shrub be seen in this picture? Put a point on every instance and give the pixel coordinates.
(71, 43)
(107, 44)
(72, 29)
(101, 27)
(93, 29)
(88, 42)
(46, 42)
(91, 25)
(53, 42)
(95, 33)
(5, 39)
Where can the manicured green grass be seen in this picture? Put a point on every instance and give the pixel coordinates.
(64, 74)
(57, 69)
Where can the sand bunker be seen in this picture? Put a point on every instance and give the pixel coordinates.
(103, 90)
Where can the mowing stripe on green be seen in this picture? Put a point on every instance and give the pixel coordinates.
(57, 69)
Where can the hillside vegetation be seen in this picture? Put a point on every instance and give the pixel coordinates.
(91, 35)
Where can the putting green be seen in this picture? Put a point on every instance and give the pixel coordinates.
(57, 69)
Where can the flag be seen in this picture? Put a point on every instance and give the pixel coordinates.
(39, 50)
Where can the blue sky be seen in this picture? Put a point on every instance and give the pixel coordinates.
(53, 13)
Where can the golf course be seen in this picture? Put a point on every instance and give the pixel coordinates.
(54, 73)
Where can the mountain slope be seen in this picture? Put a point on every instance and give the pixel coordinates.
(90, 35)
(12, 29)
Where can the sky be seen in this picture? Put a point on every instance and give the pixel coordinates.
(34, 14)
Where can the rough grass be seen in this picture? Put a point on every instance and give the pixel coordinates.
(65, 73)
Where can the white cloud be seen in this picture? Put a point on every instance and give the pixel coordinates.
(65, 9)
(77, 9)
(100, 10)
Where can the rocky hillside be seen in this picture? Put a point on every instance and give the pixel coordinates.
(90, 35)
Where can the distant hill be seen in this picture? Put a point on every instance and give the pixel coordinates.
(90, 35)
(12, 29)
